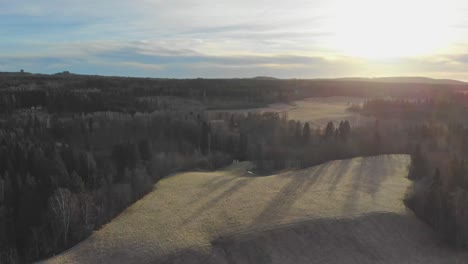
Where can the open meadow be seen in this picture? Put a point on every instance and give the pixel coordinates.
(318, 111)
(343, 211)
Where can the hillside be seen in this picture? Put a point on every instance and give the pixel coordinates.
(347, 211)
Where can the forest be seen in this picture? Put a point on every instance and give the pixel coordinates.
(438, 130)
(76, 150)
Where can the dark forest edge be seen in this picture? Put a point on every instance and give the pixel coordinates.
(75, 151)
(438, 131)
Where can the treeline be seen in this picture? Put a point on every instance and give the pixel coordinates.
(64, 176)
(448, 107)
(78, 93)
(277, 143)
(70, 93)
(61, 178)
(90, 146)
(439, 196)
(437, 134)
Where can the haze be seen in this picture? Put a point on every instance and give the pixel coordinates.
(213, 39)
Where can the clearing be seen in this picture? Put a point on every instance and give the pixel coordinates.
(318, 111)
(347, 211)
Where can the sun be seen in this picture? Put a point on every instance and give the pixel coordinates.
(389, 29)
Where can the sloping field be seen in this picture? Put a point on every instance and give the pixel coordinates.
(347, 211)
(318, 111)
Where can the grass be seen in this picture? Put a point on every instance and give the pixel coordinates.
(318, 111)
(347, 211)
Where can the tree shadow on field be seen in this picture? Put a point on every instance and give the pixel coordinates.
(299, 184)
(211, 186)
(239, 184)
(371, 174)
(367, 177)
(380, 170)
(339, 173)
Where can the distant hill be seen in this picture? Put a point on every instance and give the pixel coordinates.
(395, 79)
(265, 78)
(405, 80)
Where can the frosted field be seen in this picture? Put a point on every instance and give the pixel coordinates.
(318, 111)
(348, 211)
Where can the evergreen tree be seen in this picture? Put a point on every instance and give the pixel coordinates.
(76, 183)
(344, 130)
(433, 210)
(260, 157)
(205, 138)
(329, 130)
(306, 133)
(457, 173)
(418, 167)
(243, 148)
(298, 132)
(376, 145)
(87, 168)
(144, 147)
(232, 123)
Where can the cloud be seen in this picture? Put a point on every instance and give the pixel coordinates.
(158, 59)
(185, 38)
(459, 58)
(161, 59)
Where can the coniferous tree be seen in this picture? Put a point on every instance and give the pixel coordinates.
(232, 123)
(76, 183)
(306, 133)
(376, 144)
(144, 148)
(260, 157)
(87, 167)
(329, 130)
(298, 132)
(344, 130)
(205, 138)
(418, 167)
(433, 207)
(243, 148)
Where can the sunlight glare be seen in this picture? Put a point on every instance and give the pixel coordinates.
(387, 29)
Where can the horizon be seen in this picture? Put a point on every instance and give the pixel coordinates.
(206, 39)
(347, 78)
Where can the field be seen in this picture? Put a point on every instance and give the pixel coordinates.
(318, 111)
(347, 211)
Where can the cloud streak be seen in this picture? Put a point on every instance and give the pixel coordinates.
(204, 38)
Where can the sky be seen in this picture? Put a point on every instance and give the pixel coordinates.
(237, 38)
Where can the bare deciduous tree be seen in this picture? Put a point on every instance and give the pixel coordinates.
(62, 206)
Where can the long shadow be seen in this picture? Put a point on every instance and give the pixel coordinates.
(298, 185)
(212, 186)
(301, 182)
(282, 202)
(298, 181)
(339, 173)
(357, 179)
(373, 171)
(216, 183)
(316, 175)
(242, 182)
(380, 173)
(367, 177)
